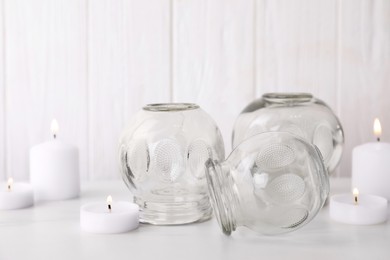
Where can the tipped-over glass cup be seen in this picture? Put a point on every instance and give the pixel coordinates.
(272, 183)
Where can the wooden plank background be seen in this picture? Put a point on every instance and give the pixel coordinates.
(93, 64)
(3, 167)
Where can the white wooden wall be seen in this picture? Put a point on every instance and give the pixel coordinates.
(93, 63)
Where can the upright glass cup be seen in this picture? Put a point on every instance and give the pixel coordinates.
(272, 183)
(162, 156)
(298, 113)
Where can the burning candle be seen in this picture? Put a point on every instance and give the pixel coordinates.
(358, 209)
(109, 217)
(371, 166)
(15, 195)
(54, 169)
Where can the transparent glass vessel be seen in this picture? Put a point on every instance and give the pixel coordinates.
(162, 156)
(297, 113)
(272, 183)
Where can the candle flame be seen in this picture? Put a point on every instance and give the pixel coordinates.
(355, 195)
(10, 182)
(109, 201)
(377, 128)
(54, 127)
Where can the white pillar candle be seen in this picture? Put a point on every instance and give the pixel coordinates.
(15, 195)
(110, 217)
(54, 169)
(371, 166)
(368, 210)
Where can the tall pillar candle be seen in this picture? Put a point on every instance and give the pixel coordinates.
(54, 169)
(371, 166)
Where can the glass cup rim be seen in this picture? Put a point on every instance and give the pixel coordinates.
(288, 96)
(170, 107)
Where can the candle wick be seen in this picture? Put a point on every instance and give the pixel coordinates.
(109, 208)
(356, 200)
(9, 187)
(378, 139)
(55, 136)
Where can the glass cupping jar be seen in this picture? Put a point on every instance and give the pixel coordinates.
(297, 113)
(272, 183)
(162, 154)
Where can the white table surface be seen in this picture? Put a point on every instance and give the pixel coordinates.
(51, 230)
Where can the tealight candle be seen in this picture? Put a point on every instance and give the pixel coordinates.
(358, 209)
(110, 217)
(15, 195)
(54, 169)
(371, 166)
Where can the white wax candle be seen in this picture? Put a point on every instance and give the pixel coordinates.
(97, 218)
(16, 195)
(369, 210)
(371, 168)
(54, 170)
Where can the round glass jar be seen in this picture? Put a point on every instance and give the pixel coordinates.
(162, 156)
(297, 113)
(272, 183)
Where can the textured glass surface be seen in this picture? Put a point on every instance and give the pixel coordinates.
(272, 183)
(297, 113)
(162, 156)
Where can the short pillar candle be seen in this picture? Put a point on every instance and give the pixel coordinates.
(54, 169)
(371, 166)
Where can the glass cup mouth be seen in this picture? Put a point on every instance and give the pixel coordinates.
(285, 97)
(170, 107)
(215, 193)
